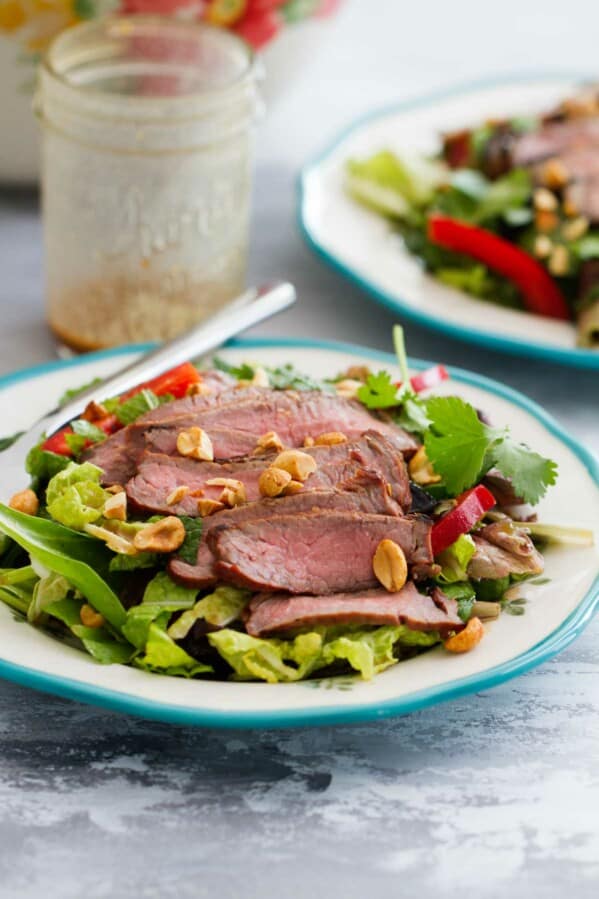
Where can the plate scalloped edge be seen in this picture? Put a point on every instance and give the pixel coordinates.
(576, 357)
(559, 639)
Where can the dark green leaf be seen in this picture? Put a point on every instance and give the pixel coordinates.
(122, 562)
(5, 442)
(43, 465)
(73, 392)
(243, 372)
(188, 551)
(529, 472)
(379, 391)
(456, 443)
(286, 377)
(83, 561)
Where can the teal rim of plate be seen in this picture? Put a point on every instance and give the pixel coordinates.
(577, 357)
(561, 637)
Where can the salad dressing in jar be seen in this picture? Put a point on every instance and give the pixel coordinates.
(147, 154)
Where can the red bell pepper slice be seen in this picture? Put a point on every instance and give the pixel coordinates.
(57, 442)
(539, 290)
(430, 377)
(470, 508)
(177, 381)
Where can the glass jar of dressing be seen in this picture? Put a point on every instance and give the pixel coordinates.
(147, 155)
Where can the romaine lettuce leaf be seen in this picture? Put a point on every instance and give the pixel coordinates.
(454, 560)
(161, 598)
(80, 559)
(219, 608)
(99, 642)
(163, 653)
(275, 660)
(74, 496)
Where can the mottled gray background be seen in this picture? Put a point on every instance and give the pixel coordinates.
(493, 795)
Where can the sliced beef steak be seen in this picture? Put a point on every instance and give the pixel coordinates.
(502, 549)
(278, 613)
(556, 139)
(366, 493)
(235, 425)
(160, 474)
(327, 552)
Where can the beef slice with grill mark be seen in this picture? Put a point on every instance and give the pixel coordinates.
(279, 613)
(366, 493)
(159, 474)
(327, 552)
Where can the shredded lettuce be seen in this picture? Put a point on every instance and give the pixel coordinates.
(393, 185)
(365, 651)
(454, 560)
(219, 608)
(163, 654)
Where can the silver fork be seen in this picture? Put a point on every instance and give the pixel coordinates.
(250, 308)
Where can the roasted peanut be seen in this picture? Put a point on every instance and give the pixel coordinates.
(89, 617)
(390, 566)
(176, 495)
(195, 444)
(198, 389)
(115, 488)
(546, 221)
(94, 411)
(468, 638)
(555, 174)
(348, 388)
(421, 470)
(544, 200)
(25, 501)
(330, 438)
(116, 507)
(273, 481)
(308, 441)
(268, 442)
(208, 507)
(299, 465)
(115, 542)
(543, 246)
(292, 488)
(357, 373)
(559, 261)
(164, 536)
(575, 228)
(234, 491)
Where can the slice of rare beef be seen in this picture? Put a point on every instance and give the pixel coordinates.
(366, 493)
(159, 474)
(278, 613)
(327, 552)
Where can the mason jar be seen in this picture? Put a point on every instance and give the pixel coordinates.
(147, 151)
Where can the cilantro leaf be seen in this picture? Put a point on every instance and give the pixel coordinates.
(243, 372)
(5, 442)
(379, 391)
(43, 464)
(456, 442)
(188, 551)
(75, 391)
(287, 377)
(412, 414)
(462, 449)
(530, 472)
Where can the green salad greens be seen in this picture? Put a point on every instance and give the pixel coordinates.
(84, 570)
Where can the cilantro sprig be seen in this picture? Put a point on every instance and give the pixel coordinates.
(462, 449)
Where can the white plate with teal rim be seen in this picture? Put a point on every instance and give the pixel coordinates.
(364, 247)
(557, 609)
